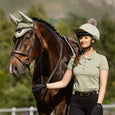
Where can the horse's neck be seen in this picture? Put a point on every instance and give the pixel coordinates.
(53, 45)
(53, 52)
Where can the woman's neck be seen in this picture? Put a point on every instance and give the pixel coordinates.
(88, 52)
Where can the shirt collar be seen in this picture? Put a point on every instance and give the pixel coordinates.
(91, 56)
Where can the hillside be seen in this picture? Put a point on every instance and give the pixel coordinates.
(60, 8)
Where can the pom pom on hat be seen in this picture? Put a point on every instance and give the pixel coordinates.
(92, 21)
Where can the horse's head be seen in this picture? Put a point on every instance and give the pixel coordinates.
(27, 45)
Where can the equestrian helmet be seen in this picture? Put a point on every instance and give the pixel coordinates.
(90, 28)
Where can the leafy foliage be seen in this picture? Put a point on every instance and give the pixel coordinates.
(108, 47)
(18, 95)
(36, 11)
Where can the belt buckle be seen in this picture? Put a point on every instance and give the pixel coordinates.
(87, 94)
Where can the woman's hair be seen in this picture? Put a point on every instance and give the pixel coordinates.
(77, 58)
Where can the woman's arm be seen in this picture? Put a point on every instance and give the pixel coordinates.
(103, 83)
(62, 83)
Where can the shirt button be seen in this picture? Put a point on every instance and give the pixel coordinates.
(83, 68)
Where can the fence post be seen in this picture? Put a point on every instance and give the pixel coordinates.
(31, 110)
(13, 111)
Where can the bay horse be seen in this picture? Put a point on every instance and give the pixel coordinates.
(36, 39)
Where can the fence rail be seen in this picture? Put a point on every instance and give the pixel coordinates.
(31, 110)
(109, 106)
(13, 110)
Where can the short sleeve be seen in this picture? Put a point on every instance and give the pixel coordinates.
(71, 62)
(104, 64)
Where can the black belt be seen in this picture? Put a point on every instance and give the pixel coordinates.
(84, 94)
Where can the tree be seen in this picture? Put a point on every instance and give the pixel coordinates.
(66, 26)
(37, 11)
(107, 47)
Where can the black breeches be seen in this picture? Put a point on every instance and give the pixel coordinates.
(82, 105)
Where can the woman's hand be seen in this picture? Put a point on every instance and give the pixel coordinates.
(38, 87)
(62, 83)
(56, 85)
(97, 110)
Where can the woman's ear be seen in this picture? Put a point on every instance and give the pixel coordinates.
(93, 40)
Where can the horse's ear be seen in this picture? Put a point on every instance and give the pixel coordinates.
(26, 18)
(14, 19)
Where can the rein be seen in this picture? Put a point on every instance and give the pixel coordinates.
(53, 72)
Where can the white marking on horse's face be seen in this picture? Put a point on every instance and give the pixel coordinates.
(10, 68)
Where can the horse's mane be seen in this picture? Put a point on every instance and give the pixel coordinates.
(48, 24)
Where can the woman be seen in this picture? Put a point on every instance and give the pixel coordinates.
(90, 74)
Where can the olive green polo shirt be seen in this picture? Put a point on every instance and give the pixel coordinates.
(86, 73)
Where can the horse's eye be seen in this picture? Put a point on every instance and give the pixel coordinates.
(27, 38)
(19, 31)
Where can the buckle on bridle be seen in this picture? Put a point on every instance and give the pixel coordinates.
(27, 61)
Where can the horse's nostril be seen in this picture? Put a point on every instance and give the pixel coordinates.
(14, 70)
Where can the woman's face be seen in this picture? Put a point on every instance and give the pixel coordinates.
(85, 41)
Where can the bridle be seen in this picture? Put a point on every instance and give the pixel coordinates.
(27, 61)
(27, 55)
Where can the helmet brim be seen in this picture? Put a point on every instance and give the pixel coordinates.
(78, 30)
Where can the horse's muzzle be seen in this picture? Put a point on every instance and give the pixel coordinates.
(17, 70)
